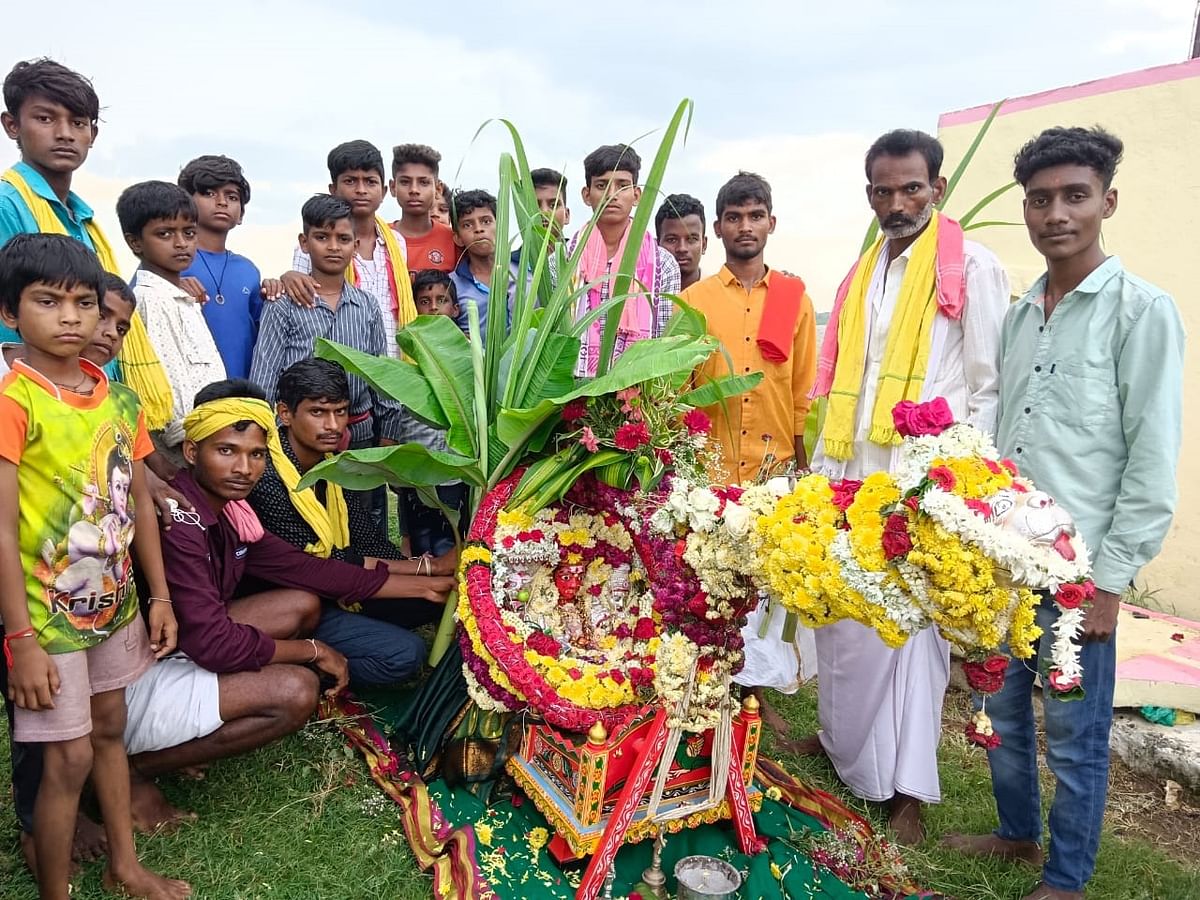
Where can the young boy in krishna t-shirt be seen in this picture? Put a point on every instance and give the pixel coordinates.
(71, 476)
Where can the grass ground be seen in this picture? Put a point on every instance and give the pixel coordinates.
(302, 820)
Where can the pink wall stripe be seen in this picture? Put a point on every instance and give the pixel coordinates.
(1123, 82)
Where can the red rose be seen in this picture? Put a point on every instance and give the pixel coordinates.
(986, 676)
(575, 410)
(696, 422)
(1070, 595)
(896, 541)
(986, 741)
(664, 456)
(698, 605)
(575, 674)
(508, 542)
(904, 418)
(734, 493)
(913, 502)
(980, 508)
(631, 435)
(943, 478)
(644, 629)
(1089, 589)
(617, 675)
(542, 643)
(843, 493)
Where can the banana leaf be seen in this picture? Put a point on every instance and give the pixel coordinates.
(389, 378)
(400, 465)
(439, 348)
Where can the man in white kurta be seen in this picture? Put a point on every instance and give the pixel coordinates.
(879, 708)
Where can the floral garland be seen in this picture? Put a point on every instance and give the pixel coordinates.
(929, 545)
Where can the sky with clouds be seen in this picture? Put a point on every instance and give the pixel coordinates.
(793, 90)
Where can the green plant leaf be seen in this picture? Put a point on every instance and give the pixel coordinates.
(984, 203)
(687, 321)
(399, 465)
(442, 352)
(975, 225)
(553, 370)
(721, 388)
(963, 163)
(390, 377)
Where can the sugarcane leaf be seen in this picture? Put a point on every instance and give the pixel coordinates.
(984, 203)
(721, 388)
(438, 346)
(963, 163)
(396, 378)
(399, 465)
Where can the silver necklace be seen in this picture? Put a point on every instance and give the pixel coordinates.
(220, 298)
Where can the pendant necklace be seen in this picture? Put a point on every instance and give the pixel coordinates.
(220, 298)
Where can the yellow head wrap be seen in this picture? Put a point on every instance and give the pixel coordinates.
(331, 521)
(141, 368)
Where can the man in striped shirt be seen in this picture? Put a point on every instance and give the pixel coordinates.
(342, 313)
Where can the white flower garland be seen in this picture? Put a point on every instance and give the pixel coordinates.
(1029, 564)
(875, 588)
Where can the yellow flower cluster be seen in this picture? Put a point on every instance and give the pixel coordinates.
(793, 552)
(514, 520)
(865, 517)
(964, 598)
(973, 480)
(594, 689)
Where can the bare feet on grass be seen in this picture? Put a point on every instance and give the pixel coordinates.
(150, 810)
(995, 846)
(904, 819)
(141, 883)
(90, 843)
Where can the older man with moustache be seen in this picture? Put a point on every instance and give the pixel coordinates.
(918, 317)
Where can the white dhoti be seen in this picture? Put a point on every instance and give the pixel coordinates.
(881, 710)
(771, 661)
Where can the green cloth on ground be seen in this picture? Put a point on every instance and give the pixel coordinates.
(508, 864)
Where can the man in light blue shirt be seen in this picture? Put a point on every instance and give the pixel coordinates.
(1091, 378)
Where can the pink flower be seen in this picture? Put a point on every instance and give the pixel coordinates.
(1062, 684)
(627, 396)
(843, 493)
(631, 435)
(575, 410)
(980, 508)
(696, 422)
(943, 478)
(917, 419)
(588, 439)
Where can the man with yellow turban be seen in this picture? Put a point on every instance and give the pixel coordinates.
(249, 667)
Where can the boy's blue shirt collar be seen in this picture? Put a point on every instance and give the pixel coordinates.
(79, 210)
(1092, 284)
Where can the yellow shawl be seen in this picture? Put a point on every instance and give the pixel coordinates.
(331, 522)
(404, 310)
(906, 356)
(140, 366)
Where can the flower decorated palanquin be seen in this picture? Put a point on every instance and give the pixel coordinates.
(575, 780)
(606, 631)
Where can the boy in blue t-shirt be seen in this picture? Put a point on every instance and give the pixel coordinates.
(233, 284)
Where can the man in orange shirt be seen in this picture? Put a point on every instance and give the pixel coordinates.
(766, 323)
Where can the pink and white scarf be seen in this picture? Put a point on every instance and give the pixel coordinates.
(637, 316)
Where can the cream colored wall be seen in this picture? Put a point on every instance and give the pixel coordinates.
(1155, 231)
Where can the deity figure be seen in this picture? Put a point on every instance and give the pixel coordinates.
(568, 579)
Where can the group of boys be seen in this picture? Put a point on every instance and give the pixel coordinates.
(252, 595)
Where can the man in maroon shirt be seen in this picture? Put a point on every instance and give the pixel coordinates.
(244, 675)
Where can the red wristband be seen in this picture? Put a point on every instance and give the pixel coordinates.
(23, 633)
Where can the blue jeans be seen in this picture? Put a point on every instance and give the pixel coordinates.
(379, 653)
(1076, 752)
(428, 530)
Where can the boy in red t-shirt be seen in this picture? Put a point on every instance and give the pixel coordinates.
(414, 184)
